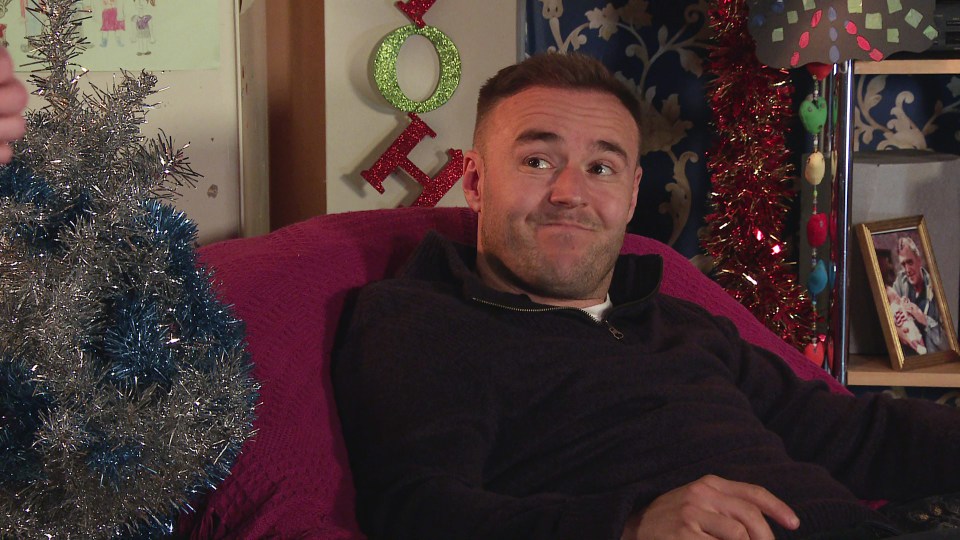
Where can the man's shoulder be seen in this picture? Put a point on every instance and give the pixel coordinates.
(688, 309)
(438, 258)
(404, 286)
(436, 266)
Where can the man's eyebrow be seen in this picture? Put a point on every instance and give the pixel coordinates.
(532, 135)
(608, 146)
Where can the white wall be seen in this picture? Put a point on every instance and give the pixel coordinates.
(361, 124)
(199, 107)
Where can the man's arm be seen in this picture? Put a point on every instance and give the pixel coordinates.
(879, 447)
(420, 421)
(933, 331)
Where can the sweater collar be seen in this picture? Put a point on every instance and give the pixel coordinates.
(635, 277)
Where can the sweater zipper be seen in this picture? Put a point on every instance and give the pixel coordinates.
(613, 330)
(617, 334)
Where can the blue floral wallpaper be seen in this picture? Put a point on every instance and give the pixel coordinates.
(907, 112)
(659, 48)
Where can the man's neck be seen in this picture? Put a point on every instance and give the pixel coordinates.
(559, 302)
(495, 280)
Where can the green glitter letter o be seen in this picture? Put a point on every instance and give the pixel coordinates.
(385, 68)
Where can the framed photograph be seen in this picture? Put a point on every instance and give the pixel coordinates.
(908, 293)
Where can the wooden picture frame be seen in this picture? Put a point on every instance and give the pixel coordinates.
(908, 292)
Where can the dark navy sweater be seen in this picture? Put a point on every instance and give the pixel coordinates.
(473, 413)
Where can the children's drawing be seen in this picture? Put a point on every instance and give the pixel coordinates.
(127, 34)
(112, 21)
(141, 20)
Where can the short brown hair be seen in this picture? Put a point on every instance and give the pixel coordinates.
(553, 70)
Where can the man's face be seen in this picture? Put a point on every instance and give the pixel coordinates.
(554, 179)
(911, 267)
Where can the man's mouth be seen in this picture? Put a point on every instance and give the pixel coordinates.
(567, 223)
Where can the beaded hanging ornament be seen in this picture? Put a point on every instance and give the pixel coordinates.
(813, 115)
(818, 34)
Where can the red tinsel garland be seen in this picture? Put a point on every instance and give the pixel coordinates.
(751, 176)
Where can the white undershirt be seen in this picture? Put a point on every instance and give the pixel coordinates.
(599, 310)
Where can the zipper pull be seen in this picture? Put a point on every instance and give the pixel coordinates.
(613, 330)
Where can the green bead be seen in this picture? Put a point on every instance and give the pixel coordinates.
(813, 114)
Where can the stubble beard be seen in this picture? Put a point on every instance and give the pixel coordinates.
(516, 256)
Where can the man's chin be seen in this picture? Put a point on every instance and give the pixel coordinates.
(569, 275)
(563, 241)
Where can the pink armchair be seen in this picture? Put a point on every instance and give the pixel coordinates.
(292, 479)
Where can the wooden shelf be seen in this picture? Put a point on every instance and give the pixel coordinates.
(876, 371)
(930, 66)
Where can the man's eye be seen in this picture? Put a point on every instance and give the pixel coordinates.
(601, 170)
(537, 163)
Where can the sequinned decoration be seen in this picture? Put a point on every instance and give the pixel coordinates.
(396, 157)
(416, 9)
(385, 68)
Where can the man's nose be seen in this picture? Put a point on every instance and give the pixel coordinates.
(568, 186)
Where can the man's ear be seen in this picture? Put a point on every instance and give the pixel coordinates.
(472, 179)
(636, 190)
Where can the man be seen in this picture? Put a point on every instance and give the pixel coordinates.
(13, 99)
(914, 287)
(539, 387)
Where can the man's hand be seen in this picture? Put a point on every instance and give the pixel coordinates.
(13, 99)
(712, 507)
(914, 311)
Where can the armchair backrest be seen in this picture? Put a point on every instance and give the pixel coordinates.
(289, 287)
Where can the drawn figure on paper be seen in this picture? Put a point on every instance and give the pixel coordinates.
(111, 21)
(141, 20)
(31, 24)
(3, 36)
(4, 5)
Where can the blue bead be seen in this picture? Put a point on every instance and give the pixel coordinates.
(817, 281)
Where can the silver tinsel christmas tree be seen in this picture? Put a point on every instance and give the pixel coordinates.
(125, 388)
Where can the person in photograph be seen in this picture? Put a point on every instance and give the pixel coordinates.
(888, 270)
(915, 289)
(907, 330)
